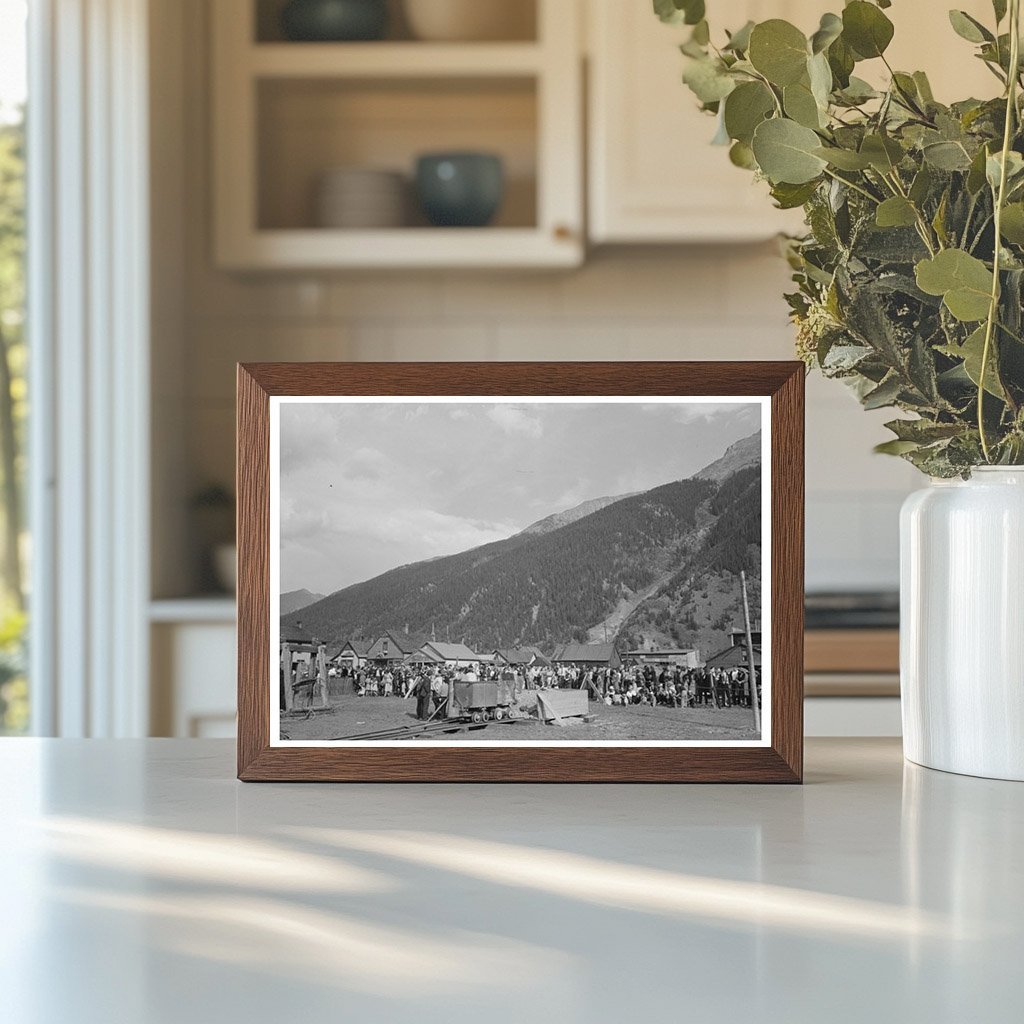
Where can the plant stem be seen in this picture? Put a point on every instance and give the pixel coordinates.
(993, 309)
(856, 188)
(923, 228)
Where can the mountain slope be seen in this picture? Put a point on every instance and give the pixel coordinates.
(660, 567)
(531, 588)
(296, 599)
(571, 515)
(701, 602)
(741, 455)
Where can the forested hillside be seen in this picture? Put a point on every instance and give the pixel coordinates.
(660, 566)
(546, 588)
(702, 602)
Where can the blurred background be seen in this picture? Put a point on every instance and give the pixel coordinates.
(243, 180)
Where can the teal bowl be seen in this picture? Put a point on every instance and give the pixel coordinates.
(460, 190)
(334, 21)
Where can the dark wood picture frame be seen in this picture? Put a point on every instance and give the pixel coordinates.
(781, 761)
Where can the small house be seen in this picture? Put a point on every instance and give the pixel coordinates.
(351, 656)
(451, 655)
(392, 648)
(735, 655)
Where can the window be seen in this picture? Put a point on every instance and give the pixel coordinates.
(14, 703)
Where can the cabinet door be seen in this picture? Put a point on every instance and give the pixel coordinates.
(653, 175)
(286, 113)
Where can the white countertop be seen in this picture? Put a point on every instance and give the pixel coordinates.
(143, 885)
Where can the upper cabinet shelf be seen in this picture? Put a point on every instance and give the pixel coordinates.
(315, 144)
(394, 59)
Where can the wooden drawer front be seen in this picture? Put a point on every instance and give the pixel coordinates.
(852, 650)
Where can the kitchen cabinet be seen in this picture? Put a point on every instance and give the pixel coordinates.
(286, 113)
(192, 653)
(653, 175)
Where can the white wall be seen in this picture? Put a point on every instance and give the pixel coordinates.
(655, 303)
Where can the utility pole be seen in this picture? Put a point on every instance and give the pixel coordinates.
(751, 673)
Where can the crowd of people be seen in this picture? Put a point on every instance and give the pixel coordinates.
(633, 684)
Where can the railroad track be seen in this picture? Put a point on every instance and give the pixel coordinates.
(414, 732)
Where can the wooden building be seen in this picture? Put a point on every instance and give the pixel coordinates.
(451, 655)
(521, 657)
(735, 655)
(393, 648)
(353, 655)
(588, 656)
(665, 657)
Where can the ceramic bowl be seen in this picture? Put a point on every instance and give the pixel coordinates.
(334, 20)
(469, 20)
(358, 197)
(460, 189)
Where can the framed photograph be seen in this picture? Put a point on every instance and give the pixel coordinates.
(518, 572)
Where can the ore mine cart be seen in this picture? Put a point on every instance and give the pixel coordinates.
(492, 700)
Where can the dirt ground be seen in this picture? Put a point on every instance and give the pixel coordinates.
(351, 715)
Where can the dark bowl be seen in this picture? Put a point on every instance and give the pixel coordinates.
(461, 190)
(332, 21)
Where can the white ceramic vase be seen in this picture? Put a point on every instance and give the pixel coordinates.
(962, 624)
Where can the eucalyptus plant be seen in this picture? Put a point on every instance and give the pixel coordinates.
(909, 280)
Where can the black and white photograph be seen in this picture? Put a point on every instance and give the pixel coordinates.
(536, 571)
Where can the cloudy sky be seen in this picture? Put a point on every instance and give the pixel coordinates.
(367, 487)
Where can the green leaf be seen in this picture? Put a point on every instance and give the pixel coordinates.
(708, 80)
(800, 105)
(971, 352)
(923, 431)
(969, 28)
(785, 152)
(896, 447)
(896, 212)
(906, 89)
(694, 11)
(741, 155)
(939, 220)
(858, 91)
(976, 173)
(778, 50)
(866, 29)
(721, 137)
(789, 197)
(1012, 225)
(924, 87)
(841, 60)
(885, 394)
(963, 281)
(947, 156)
(921, 185)
(739, 41)
(844, 159)
(1014, 169)
(829, 30)
(883, 153)
(745, 108)
(676, 12)
(820, 76)
(999, 7)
